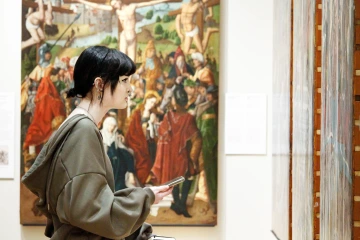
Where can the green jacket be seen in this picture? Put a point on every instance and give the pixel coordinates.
(73, 178)
(206, 121)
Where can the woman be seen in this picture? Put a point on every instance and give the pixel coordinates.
(141, 135)
(73, 176)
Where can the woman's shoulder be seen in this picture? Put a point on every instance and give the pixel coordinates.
(87, 127)
(80, 120)
(84, 138)
(86, 122)
(83, 127)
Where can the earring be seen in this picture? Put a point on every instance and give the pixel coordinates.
(99, 96)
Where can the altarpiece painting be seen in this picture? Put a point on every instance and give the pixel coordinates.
(172, 42)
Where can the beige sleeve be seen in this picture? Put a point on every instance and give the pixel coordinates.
(87, 202)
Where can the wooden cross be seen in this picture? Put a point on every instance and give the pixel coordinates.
(210, 3)
(123, 1)
(94, 1)
(31, 4)
(108, 1)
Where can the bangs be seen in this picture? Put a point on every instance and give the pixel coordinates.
(100, 61)
(117, 64)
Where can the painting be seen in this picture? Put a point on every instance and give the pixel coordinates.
(173, 43)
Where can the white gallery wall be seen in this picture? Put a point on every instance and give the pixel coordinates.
(244, 180)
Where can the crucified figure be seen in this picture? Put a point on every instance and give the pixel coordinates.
(126, 14)
(186, 21)
(33, 22)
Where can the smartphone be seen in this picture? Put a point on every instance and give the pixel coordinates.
(175, 181)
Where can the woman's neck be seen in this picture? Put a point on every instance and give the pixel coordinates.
(95, 110)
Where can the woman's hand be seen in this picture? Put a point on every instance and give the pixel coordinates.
(160, 192)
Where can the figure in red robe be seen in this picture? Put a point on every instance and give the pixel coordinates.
(178, 150)
(49, 112)
(138, 136)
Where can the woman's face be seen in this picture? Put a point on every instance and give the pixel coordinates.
(119, 98)
(150, 103)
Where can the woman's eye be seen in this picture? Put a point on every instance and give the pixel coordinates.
(124, 80)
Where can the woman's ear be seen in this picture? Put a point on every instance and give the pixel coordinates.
(99, 84)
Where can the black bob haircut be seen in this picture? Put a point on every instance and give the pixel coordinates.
(99, 61)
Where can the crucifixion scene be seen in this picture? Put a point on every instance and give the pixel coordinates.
(170, 126)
